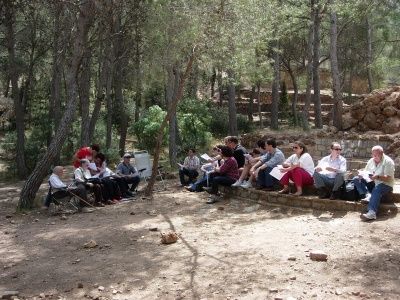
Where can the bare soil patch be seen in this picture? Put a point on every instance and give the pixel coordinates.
(231, 250)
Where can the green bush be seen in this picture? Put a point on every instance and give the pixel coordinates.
(220, 122)
(194, 124)
(146, 129)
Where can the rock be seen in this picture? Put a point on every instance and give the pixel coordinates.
(318, 255)
(169, 238)
(251, 208)
(114, 292)
(338, 292)
(357, 293)
(36, 220)
(292, 278)
(9, 294)
(389, 111)
(8, 216)
(273, 290)
(42, 295)
(90, 244)
(132, 213)
(292, 258)
(63, 217)
(80, 285)
(221, 208)
(101, 288)
(153, 229)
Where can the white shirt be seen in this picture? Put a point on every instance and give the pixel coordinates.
(82, 175)
(385, 167)
(56, 183)
(339, 163)
(305, 162)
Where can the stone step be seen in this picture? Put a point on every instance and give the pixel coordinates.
(312, 202)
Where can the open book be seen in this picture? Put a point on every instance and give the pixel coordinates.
(205, 156)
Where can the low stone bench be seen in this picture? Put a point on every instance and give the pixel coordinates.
(313, 202)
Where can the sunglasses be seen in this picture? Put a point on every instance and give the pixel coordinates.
(295, 147)
(337, 149)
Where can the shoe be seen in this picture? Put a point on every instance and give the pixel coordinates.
(99, 204)
(128, 194)
(370, 215)
(284, 191)
(335, 195)
(323, 193)
(246, 184)
(207, 189)
(189, 189)
(87, 210)
(212, 199)
(237, 183)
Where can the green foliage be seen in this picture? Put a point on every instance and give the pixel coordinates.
(146, 129)
(194, 123)
(219, 125)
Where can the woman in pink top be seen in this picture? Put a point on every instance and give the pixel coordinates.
(226, 175)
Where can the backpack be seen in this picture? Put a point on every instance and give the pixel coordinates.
(349, 191)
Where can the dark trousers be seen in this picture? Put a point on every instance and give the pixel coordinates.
(220, 180)
(97, 190)
(264, 179)
(110, 189)
(79, 191)
(192, 174)
(134, 180)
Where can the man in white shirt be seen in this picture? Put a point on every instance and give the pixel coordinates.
(329, 173)
(190, 168)
(381, 171)
(59, 189)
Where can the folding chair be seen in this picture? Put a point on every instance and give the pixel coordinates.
(62, 200)
(144, 166)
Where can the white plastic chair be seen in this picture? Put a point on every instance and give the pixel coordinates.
(144, 166)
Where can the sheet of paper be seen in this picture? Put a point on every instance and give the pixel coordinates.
(92, 166)
(364, 174)
(205, 156)
(276, 172)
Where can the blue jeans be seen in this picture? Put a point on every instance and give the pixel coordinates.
(264, 179)
(220, 180)
(376, 195)
(199, 184)
(362, 186)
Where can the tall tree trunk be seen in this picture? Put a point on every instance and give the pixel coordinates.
(295, 95)
(369, 54)
(220, 87)
(213, 80)
(259, 105)
(250, 109)
(109, 102)
(316, 84)
(336, 90)
(309, 77)
(18, 107)
(275, 89)
(57, 72)
(167, 118)
(138, 60)
(233, 130)
(169, 96)
(32, 184)
(84, 94)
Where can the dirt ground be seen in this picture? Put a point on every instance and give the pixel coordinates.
(229, 250)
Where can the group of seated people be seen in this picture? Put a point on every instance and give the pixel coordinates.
(91, 174)
(232, 165)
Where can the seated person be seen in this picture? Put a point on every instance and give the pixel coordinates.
(329, 173)
(381, 171)
(263, 167)
(251, 160)
(58, 189)
(226, 175)
(238, 150)
(110, 182)
(82, 176)
(262, 147)
(82, 153)
(129, 174)
(189, 168)
(299, 168)
(207, 169)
